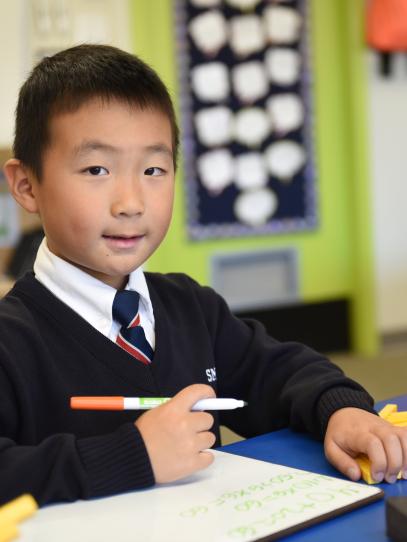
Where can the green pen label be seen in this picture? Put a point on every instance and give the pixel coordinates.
(153, 401)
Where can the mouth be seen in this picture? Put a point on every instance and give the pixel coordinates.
(123, 241)
(106, 236)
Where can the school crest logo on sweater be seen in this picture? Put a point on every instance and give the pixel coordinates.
(211, 374)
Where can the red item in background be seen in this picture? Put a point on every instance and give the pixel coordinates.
(386, 28)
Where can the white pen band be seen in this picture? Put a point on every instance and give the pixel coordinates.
(218, 403)
(146, 403)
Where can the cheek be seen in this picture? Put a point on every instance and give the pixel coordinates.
(163, 212)
(79, 216)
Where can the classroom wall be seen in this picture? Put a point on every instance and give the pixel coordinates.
(19, 40)
(388, 153)
(12, 47)
(336, 259)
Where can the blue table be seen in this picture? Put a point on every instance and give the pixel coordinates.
(300, 451)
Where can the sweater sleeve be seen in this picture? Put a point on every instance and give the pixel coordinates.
(65, 468)
(285, 384)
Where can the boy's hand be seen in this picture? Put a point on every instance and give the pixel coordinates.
(352, 431)
(175, 437)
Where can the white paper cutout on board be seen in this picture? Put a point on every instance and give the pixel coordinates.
(209, 31)
(216, 170)
(210, 82)
(205, 3)
(283, 25)
(250, 82)
(250, 171)
(286, 112)
(283, 66)
(285, 159)
(244, 5)
(252, 126)
(214, 126)
(246, 35)
(256, 207)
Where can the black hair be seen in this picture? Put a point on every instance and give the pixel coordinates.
(66, 80)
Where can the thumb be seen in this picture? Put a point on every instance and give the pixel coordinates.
(342, 461)
(188, 396)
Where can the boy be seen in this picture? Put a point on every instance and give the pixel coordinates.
(95, 154)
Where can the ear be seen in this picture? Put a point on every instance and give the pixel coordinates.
(21, 181)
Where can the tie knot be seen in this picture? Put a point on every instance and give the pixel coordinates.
(125, 306)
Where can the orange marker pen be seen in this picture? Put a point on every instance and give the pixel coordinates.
(145, 403)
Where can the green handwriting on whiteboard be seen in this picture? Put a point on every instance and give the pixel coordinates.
(281, 498)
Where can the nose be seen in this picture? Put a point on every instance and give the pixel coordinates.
(127, 199)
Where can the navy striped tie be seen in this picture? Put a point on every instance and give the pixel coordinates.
(131, 336)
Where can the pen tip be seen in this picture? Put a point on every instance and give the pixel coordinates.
(245, 403)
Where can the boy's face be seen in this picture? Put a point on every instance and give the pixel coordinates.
(107, 189)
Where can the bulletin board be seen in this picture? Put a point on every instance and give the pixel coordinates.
(246, 116)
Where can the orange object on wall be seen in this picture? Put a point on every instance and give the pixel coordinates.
(386, 27)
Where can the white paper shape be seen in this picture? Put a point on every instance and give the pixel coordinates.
(243, 4)
(214, 125)
(250, 81)
(286, 112)
(283, 65)
(252, 126)
(210, 82)
(209, 31)
(283, 24)
(255, 207)
(250, 171)
(205, 3)
(285, 159)
(216, 170)
(246, 35)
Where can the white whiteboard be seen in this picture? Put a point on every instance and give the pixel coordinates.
(236, 499)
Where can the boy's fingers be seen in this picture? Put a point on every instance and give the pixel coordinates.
(205, 440)
(403, 440)
(384, 445)
(372, 446)
(385, 452)
(394, 455)
(395, 445)
(204, 459)
(188, 396)
(203, 421)
(342, 461)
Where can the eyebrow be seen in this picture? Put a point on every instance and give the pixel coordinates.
(91, 145)
(159, 148)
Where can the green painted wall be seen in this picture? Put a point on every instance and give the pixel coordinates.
(335, 259)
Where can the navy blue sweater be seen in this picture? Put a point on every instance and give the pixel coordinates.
(48, 353)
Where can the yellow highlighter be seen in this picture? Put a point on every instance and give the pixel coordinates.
(388, 412)
(13, 513)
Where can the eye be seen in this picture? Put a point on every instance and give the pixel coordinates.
(154, 171)
(96, 170)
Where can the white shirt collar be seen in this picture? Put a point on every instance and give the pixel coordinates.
(86, 295)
